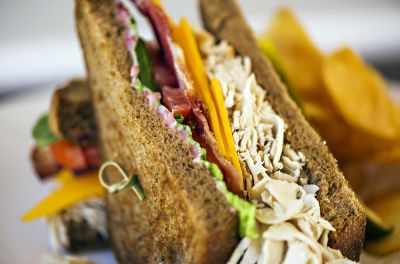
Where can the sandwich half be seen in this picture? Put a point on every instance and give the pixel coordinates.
(229, 168)
(338, 204)
(66, 151)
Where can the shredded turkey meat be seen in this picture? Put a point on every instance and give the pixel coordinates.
(291, 229)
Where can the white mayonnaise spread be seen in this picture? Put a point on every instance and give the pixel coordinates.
(291, 229)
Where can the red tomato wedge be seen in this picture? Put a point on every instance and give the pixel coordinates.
(69, 155)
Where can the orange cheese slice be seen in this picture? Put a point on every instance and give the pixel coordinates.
(183, 35)
(213, 98)
(218, 97)
(73, 189)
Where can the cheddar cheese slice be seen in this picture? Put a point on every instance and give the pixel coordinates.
(183, 35)
(212, 97)
(218, 97)
(73, 189)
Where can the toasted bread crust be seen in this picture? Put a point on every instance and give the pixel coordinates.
(338, 202)
(184, 218)
(71, 114)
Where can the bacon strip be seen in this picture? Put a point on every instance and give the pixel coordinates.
(202, 134)
(43, 162)
(163, 75)
(176, 100)
(161, 28)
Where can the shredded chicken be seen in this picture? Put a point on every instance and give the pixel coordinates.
(291, 229)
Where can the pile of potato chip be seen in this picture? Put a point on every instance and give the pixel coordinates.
(348, 103)
(344, 98)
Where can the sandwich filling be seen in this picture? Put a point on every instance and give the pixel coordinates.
(178, 108)
(290, 226)
(281, 221)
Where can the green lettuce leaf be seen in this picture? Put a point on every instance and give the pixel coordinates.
(247, 215)
(41, 131)
(179, 118)
(145, 68)
(245, 209)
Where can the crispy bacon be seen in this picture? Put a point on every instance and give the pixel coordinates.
(43, 162)
(161, 28)
(202, 134)
(176, 100)
(163, 75)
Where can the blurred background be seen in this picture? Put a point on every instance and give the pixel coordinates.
(39, 50)
(38, 43)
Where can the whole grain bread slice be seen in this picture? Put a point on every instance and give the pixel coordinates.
(82, 237)
(184, 218)
(71, 113)
(339, 205)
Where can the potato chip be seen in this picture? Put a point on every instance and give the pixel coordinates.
(345, 141)
(396, 116)
(359, 94)
(376, 228)
(317, 112)
(333, 134)
(357, 145)
(299, 61)
(388, 210)
(388, 155)
(341, 140)
(350, 108)
(297, 55)
(271, 52)
(354, 172)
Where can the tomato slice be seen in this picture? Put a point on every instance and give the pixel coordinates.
(69, 155)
